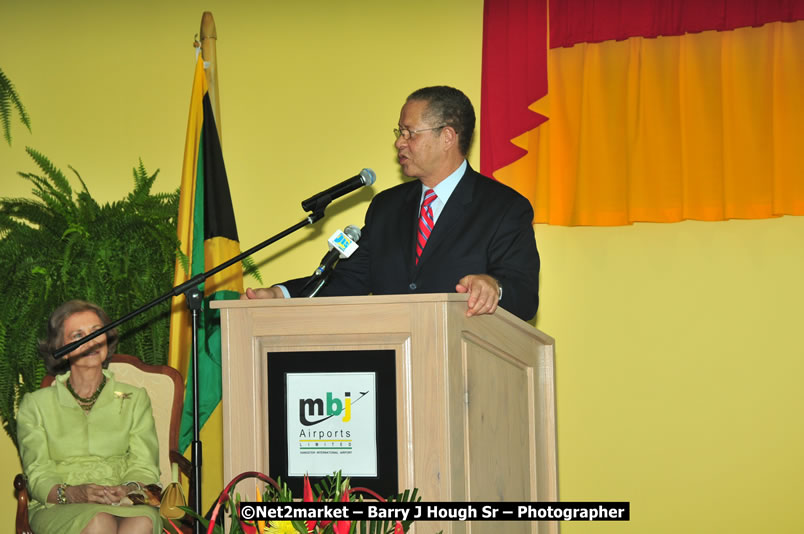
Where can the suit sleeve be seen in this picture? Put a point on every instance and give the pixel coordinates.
(143, 452)
(513, 259)
(36, 461)
(351, 275)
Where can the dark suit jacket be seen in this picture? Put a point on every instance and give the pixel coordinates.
(484, 228)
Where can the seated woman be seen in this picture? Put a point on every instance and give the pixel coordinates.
(87, 441)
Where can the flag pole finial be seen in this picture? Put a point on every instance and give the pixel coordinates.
(209, 38)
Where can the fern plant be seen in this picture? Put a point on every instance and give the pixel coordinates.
(64, 245)
(9, 98)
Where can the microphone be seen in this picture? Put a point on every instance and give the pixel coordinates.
(341, 245)
(322, 199)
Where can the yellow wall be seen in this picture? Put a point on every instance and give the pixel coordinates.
(679, 357)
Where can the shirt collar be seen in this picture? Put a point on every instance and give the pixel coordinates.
(446, 186)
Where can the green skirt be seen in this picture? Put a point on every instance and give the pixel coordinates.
(73, 518)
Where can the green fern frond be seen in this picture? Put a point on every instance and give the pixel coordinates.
(139, 173)
(184, 260)
(164, 197)
(40, 183)
(54, 199)
(143, 182)
(9, 97)
(78, 175)
(5, 115)
(51, 171)
(21, 213)
(250, 269)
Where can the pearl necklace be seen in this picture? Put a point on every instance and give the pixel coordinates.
(86, 404)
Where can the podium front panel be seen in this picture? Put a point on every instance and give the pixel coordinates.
(475, 404)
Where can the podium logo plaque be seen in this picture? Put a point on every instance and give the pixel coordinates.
(333, 411)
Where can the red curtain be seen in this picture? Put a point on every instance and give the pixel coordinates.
(594, 21)
(610, 94)
(514, 76)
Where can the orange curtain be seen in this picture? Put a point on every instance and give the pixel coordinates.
(704, 126)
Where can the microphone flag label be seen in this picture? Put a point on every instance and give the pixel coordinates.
(331, 423)
(342, 243)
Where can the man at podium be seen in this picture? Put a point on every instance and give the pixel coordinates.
(452, 229)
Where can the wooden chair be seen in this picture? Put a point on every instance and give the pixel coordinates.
(165, 387)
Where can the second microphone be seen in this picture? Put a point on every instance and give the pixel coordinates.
(342, 244)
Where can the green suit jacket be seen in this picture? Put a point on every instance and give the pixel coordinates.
(114, 443)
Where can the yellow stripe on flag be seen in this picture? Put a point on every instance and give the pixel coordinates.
(180, 335)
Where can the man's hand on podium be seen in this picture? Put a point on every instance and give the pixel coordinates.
(272, 292)
(484, 293)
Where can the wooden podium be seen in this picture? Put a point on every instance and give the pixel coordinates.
(474, 396)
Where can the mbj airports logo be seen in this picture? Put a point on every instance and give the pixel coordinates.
(331, 423)
(325, 423)
(316, 411)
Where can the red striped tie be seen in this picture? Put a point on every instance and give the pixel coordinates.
(425, 223)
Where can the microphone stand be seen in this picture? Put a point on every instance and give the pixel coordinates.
(194, 298)
(315, 289)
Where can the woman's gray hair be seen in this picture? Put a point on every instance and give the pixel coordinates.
(55, 334)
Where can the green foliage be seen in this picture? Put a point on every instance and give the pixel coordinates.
(330, 489)
(64, 245)
(9, 98)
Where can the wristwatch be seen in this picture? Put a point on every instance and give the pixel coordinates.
(499, 293)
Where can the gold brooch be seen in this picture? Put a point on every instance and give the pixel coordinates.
(122, 396)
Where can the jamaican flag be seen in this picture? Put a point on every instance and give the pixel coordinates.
(208, 236)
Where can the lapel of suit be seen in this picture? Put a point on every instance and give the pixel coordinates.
(409, 224)
(454, 211)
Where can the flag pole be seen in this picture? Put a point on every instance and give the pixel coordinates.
(193, 295)
(209, 39)
(195, 299)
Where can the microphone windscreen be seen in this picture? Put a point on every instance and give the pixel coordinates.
(368, 176)
(353, 232)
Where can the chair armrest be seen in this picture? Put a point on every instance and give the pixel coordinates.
(21, 490)
(185, 466)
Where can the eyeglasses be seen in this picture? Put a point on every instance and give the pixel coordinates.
(407, 134)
